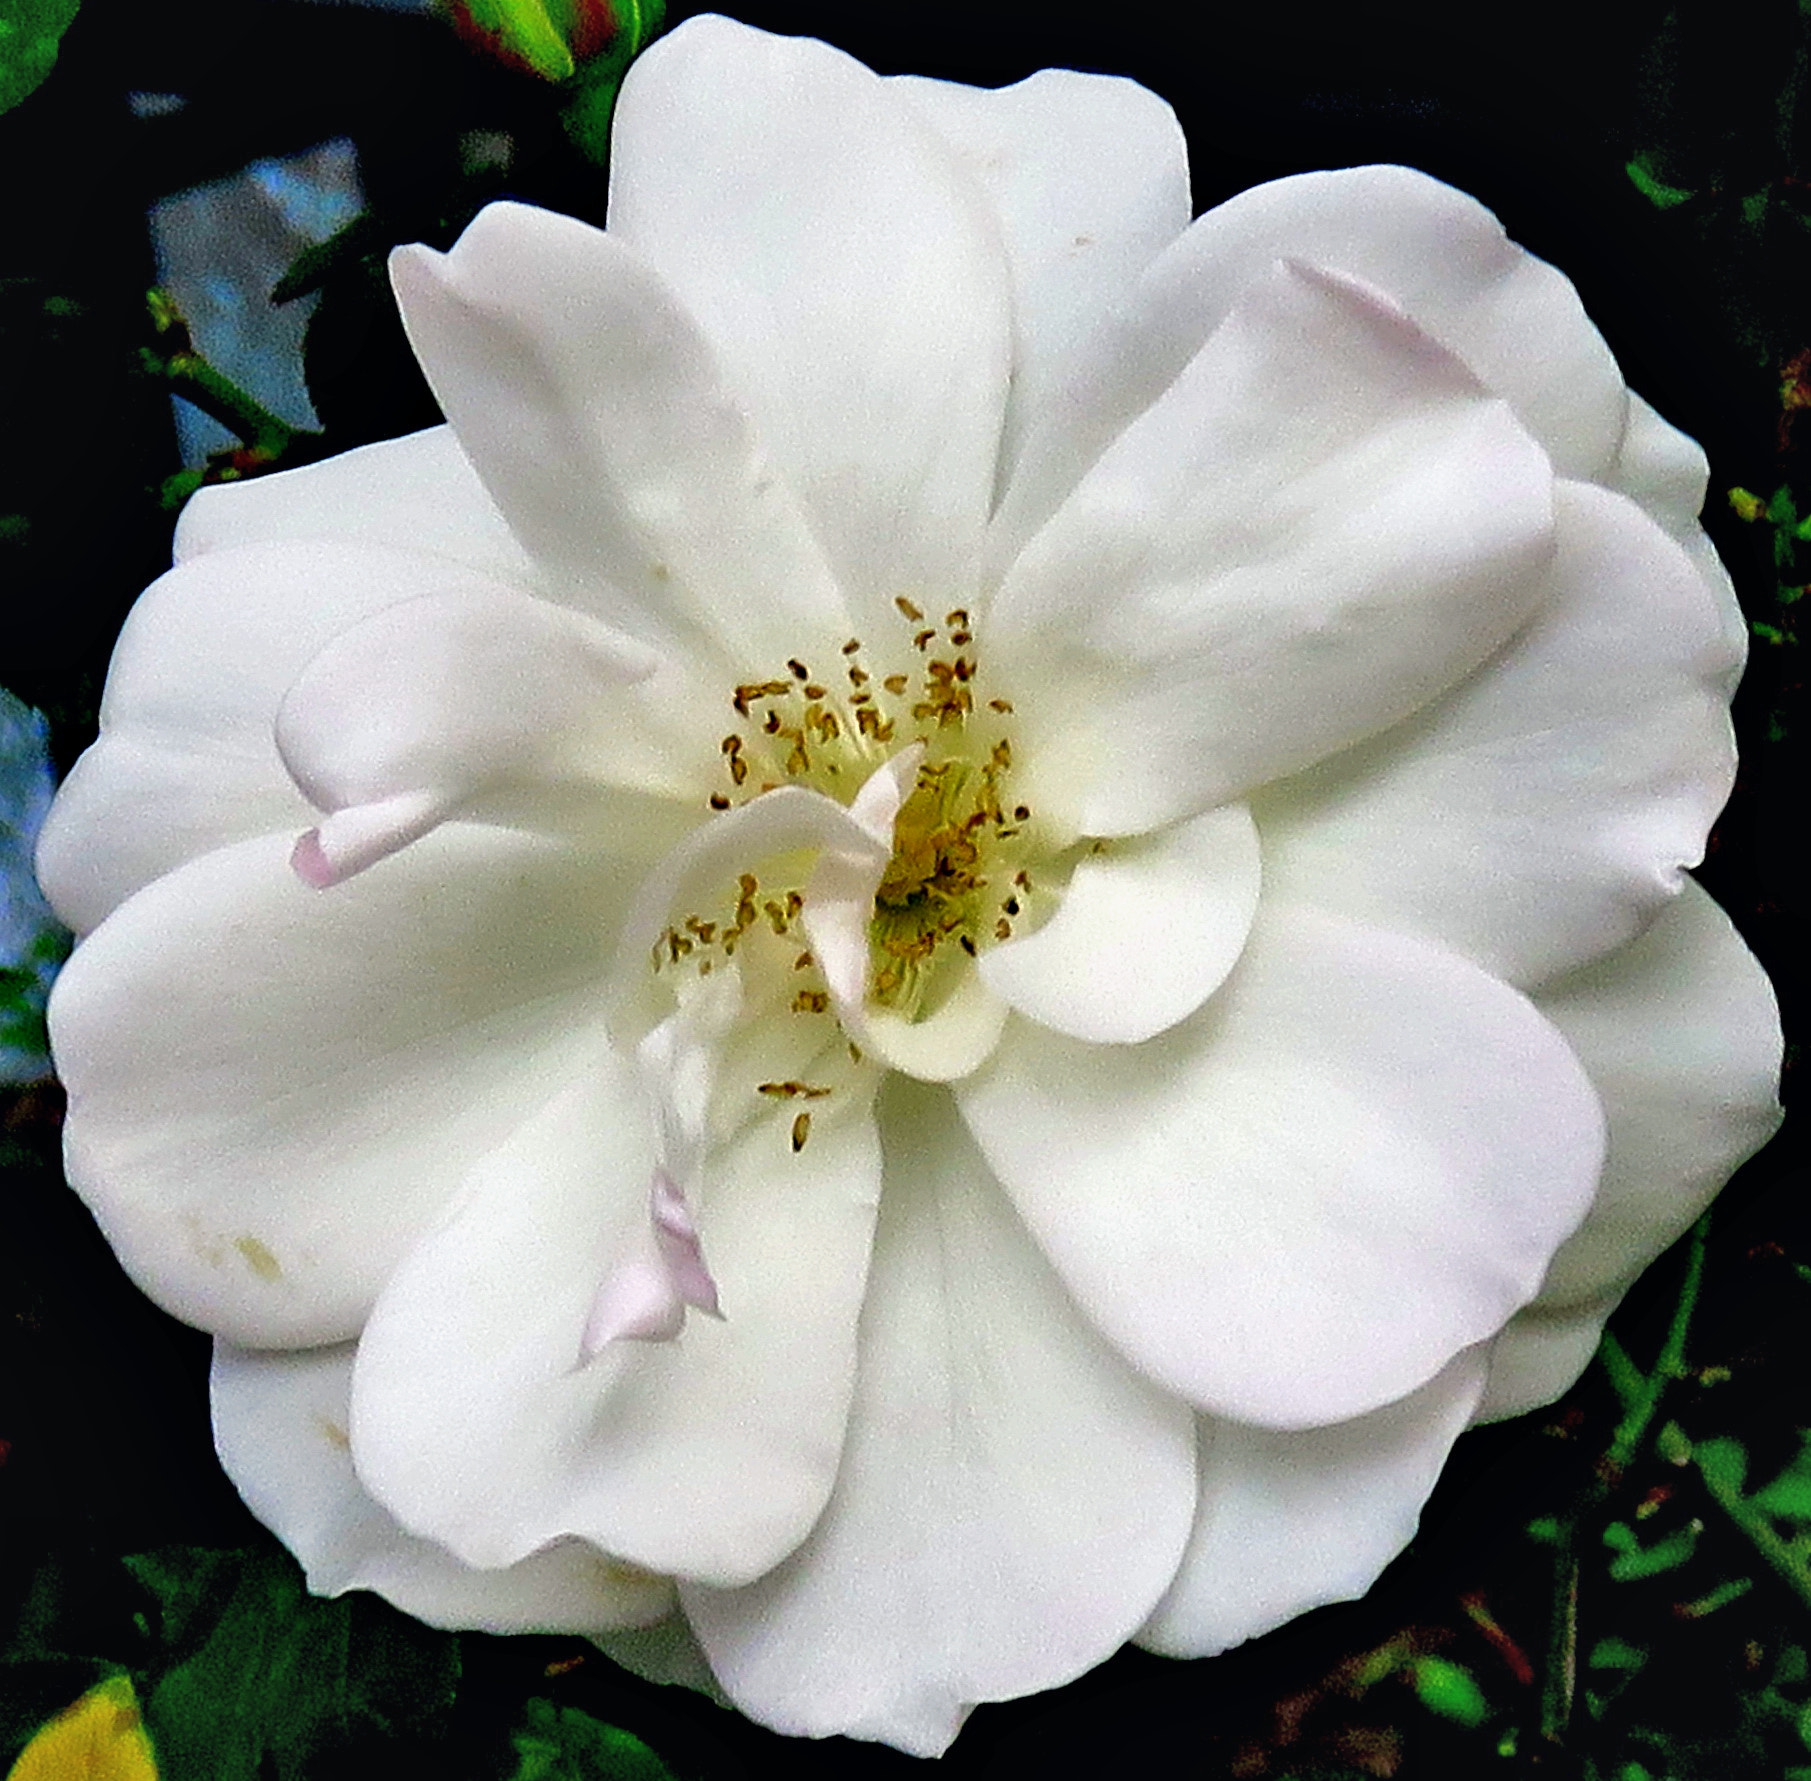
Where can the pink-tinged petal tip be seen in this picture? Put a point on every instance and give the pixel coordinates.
(636, 1303)
(676, 1234)
(309, 862)
(644, 1298)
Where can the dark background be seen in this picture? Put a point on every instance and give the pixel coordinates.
(1537, 109)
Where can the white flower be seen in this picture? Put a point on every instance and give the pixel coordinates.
(985, 868)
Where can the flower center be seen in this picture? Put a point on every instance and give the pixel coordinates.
(959, 876)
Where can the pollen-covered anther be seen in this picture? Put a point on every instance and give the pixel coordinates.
(954, 831)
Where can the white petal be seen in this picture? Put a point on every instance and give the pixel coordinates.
(485, 703)
(593, 408)
(280, 1424)
(955, 1038)
(1290, 1522)
(274, 1091)
(1661, 469)
(1680, 1034)
(1666, 473)
(852, 283)
(1087, 175)
(1514, 320)
(186, 761)
(1145, 933)
(1539, 1355)
(417, 493)
(1542, 813)
(1012, 1496)
(1321, 525)
(1300, 1204)
(476, 1420)
(665, 1653)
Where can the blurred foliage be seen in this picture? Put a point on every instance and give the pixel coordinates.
(30, 31)
(566, 1744)
(32, 942)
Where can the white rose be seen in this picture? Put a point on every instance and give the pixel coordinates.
(982, 871)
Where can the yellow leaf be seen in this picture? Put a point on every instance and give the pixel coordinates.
(101, 1738)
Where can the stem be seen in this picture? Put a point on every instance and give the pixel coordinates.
(1760, 1535)
(174, 359)
(192, 378)
(1640, 1395)
(1560, 1682)
(1626, 1379)
(1632, 1430)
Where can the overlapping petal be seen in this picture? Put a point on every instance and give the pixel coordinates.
(1291, 1521)
(1012, 1497)
(1666, 474)
(477, 1418)
(486, 704)
(1323, 523)
(187, 760)
(1145, 933)
(417, 493)
(593, 408)
(1357, 1121)
(1087, 176)
(274, 1091)
(850, 277)
(1514, 320)
(1539, 1356)
(280, 1424)
(1681, 1036)
(1575, 776)
(1680, 1033)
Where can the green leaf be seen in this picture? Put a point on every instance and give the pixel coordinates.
(1720, 1597)
(361, 238)
(263, 1675)
(1633, 1561)
(563, 1744)
(1449, 1689)
(1616, 1654)
(1788, 1497)
(30, 31)
(1724, 1462)
(1657, 192)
